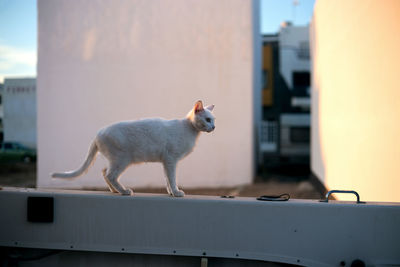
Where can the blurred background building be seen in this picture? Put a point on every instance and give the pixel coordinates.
(19, 111)
(285, 126)
(1, 113)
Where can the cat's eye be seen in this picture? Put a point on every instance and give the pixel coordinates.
(208, 120)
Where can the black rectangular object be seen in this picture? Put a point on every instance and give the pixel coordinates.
(301, 79)
(40, 209)
(300, 135)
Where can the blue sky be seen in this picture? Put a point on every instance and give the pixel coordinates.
(18, 30)
(273, 12)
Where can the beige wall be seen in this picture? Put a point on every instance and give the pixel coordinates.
(101, 62)
(356, 96)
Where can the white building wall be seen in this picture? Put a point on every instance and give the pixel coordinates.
(101, 62)
(1, 101)
(356, 97)
(290, 40)
(1, 112)
(19, 111)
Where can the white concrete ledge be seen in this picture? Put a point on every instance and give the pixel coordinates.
(303, 232)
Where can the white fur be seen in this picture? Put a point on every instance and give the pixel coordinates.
(148, 140)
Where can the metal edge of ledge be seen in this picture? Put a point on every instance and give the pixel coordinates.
(149, 196)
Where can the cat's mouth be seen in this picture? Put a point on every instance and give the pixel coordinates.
(209, 131)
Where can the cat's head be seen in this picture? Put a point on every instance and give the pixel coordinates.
(202, 119)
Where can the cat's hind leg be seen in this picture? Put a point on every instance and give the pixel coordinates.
(110, 186)
(112, 176)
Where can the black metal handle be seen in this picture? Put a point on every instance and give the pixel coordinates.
(283, 197)
(344, 192)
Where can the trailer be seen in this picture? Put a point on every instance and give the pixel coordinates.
(46, 227)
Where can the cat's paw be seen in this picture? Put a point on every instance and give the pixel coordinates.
(178, 193)
(127, 192)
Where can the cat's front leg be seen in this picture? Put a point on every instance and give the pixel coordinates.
(170, 172)
(169, 190)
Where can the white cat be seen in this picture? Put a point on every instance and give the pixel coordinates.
(147, 140)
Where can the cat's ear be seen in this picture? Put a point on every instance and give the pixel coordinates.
(210, 107)
(198, 107)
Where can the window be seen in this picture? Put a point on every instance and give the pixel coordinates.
(8, 146)
(265, 79)
(300, 135)
(301, 79)
(303, 51)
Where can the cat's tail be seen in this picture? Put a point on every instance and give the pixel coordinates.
(83, 169)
